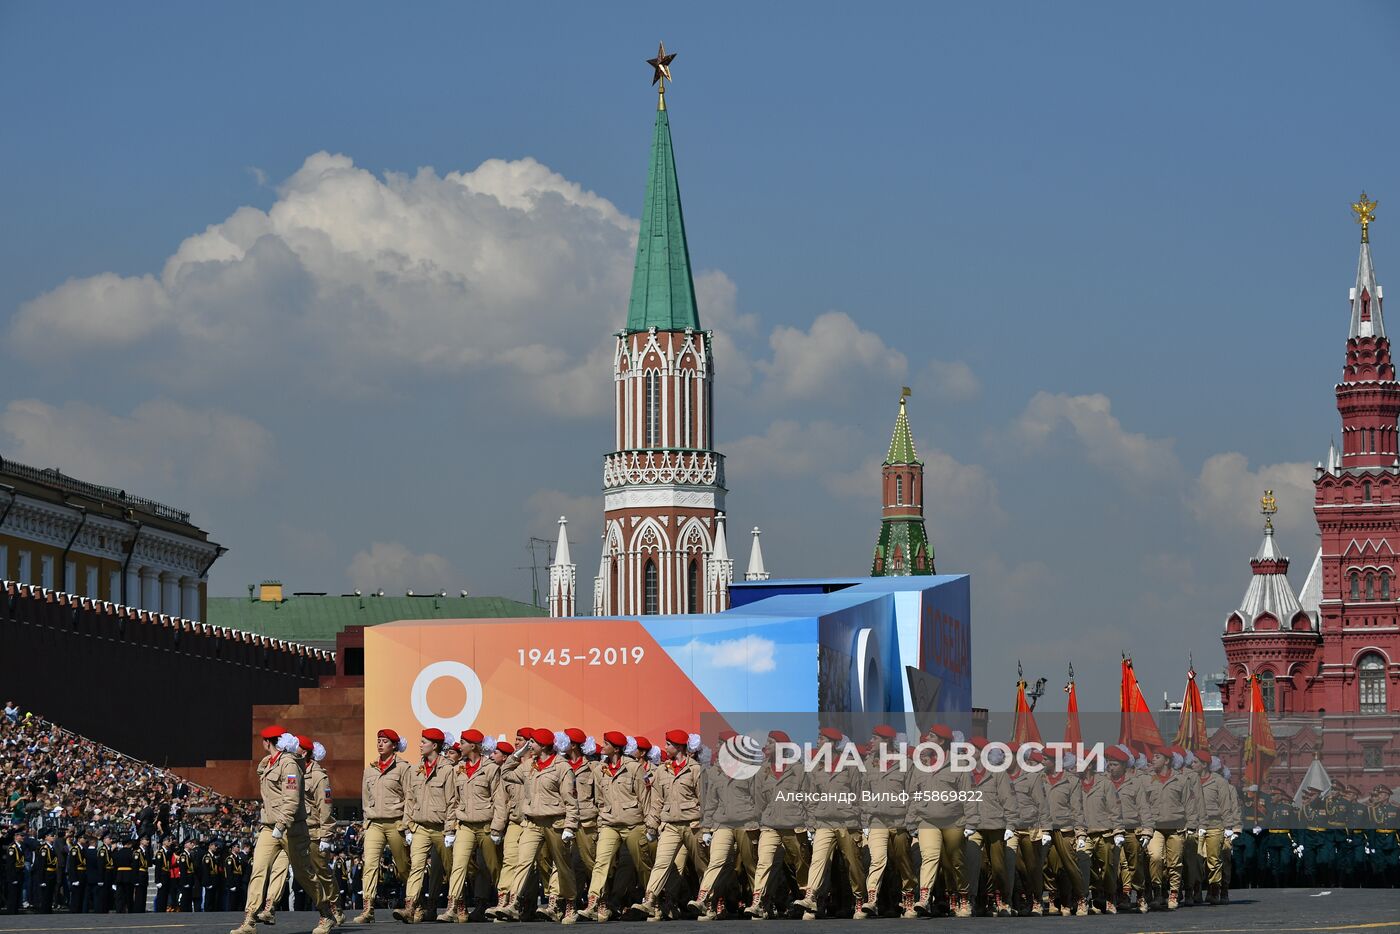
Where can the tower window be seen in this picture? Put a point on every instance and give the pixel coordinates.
(1266, 691)
(1370, 588)
(1365, 491)
(1355, 586)
(898, 490)
(651, 587)
(1370, 674)
(1385, 585)
(653, 409)
(685, 411)
(692, 596)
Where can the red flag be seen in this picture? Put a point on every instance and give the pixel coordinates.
(1025, 730)
(1259, 747)
(1136, 728)
(1191, 731)
(1072, 734)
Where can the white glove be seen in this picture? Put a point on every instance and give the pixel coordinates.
(865, 833)
(1145, 839)
(1118, 839)
(914, 841)
(1045, 839)
(567, 835)
(706, 837)
(277, 833)
(325, 846)
(1081, 843)
(651, 836)
(1298, 849)
(1257, 830)
(811, 835)
(1008, 834)
(968, 832)
(451, 838)
(408, 837)
(1200, 834)
(495, 838)
(1368, 851)
(1230, 836)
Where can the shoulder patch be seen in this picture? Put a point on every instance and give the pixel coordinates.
(291, 781)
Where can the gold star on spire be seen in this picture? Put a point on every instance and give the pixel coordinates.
(661, 71)
(1365, 212)
(1268, 505)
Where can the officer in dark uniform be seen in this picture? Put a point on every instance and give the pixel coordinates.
(92, 885)
(236, 865)
(189, 877)
(211, 877)
(45, 875)
(123, 872)
(106, 874)
(164, 889)
(1278, 843)
(142, 855)
(13, 861)
(1382, 820)
(76, 873)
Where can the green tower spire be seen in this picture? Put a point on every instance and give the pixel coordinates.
(903, 547)
(663, 293)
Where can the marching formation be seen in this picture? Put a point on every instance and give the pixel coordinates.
(559, 827)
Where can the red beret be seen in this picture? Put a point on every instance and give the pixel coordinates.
(979, 741)
(615, 738)
(434, 734)
(678, 737)
(1034, 754)
(525, 731)
(941, 730)
(305, 743)
(726, 735)
(1203, 755)
(1114, 754)
(505, 747)
(390, 735)
(643, 743)
(576, 735)
(1176, 751)
(778, 736)
(473, 736)
(831, 733)
(884, 731)
(273, 733)
(543, 737)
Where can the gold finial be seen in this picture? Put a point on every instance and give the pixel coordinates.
(1365, 212)
(905, 393)
(661, 71)
(1267, 507)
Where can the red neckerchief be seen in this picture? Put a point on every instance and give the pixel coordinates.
(1087, 783)
(678, 765)
(1205, 777)
(384, 764)
(544, 762)
(428, 766)
(978, 775)
(1118, 782)
(471, 768)
(1163, 778)
(613, 768)
(275, 756)
(1055, 778)
(776, 769)
(576, 764)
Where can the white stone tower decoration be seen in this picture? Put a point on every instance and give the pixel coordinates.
(563, 574)
(756, 571)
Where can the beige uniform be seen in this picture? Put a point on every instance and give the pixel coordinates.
(618, 795)
(383, 792)
(1103, 821)
(431, 808)
(674, 814)
(283, 833)
(781, 799)
(511, 781)
(482, 807)
(1221, 814)
(884, 815)
(586, 838)
(550, 807)
(731, 816)
(1171, 802)
(834, 821)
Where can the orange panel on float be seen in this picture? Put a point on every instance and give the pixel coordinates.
(504, 674)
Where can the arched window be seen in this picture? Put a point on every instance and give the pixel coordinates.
(1385, 585)
(686, 382)
(1355, 586)
(1266, 690)
(898, 490)
(651, 587)
(1370, 673)
(692, 587)
(1370, 587)
(653, 409)
(1366, 490)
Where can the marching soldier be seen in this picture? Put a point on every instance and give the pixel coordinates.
(834, 814)
(236, 875)
(283, 830)
(1032, 826)
(674, 816)
(581, 747)
(1065, 807)
(1222, 825)
(383, 793)
(511, 761)
(936, 810)
(1173, 802)
(620, 794)
(1384, 818)
(778, 792)
(884, 808)
(481, 820)
(142, 856)
(101, 875)
(164, 889)
(76, 874)
(46, 868)
(730, 816)
(431, 809)
(549, 803)
(124, 868)
(1103, 822)
(1127, 781)
(990, 815)
(320, 820)
(13, 875)
(211, 878)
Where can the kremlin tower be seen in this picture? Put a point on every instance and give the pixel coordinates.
(903, 548)
(1328, 662)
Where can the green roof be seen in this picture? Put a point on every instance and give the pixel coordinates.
(663, 293)
(316, 619)
(902, 443)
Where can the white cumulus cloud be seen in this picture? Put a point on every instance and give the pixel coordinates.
(751, 653)
(830, 359)
(1104, 442)
(392, 567)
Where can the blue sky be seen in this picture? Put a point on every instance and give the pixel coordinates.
(1108, 247)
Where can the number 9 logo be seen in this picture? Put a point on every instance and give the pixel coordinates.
(470, 708)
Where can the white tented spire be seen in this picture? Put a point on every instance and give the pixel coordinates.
(756, 571)
(1365, 297)
(721, 544)
(721, 570)
(562, 575)
(1334, 462)
(1316, 778)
